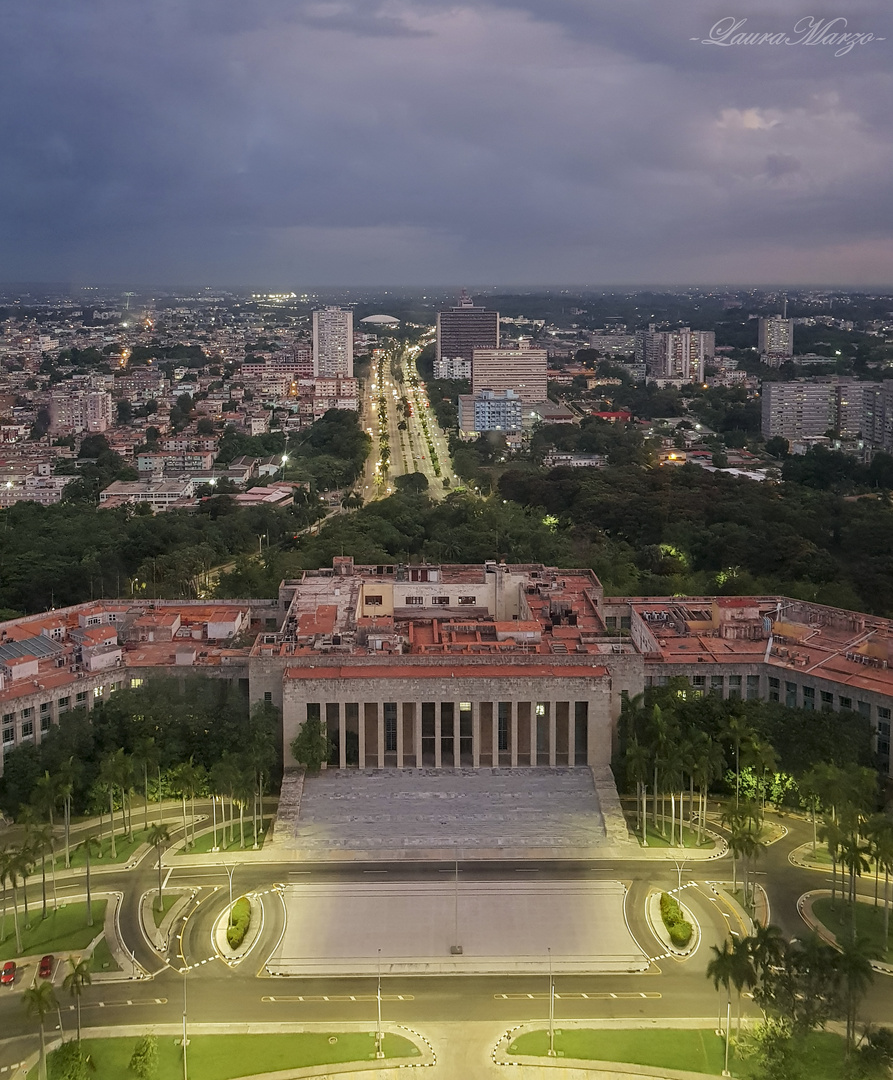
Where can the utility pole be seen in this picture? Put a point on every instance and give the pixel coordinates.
(379, 1053)
(551, 1009)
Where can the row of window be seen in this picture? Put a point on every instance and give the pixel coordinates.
(27, 715)
(419, 601)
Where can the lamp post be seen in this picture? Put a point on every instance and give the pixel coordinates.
(680, 867)
(185, 1040)
(551, 1052)
(230, 870)
(725, 1070)
(379, 1053)
(214, 812)
(456, 948)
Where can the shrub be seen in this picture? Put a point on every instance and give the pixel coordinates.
(678, 927)
(240, 920)
(144, 1061)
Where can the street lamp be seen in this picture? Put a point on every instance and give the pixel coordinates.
(680, 867)
(551, 1052)
(230, 870)
(185, 1040)
(216, 846)
(379, 1053)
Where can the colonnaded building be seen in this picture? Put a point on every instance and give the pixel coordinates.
(440, 666)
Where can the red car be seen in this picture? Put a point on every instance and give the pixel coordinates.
(8, 975)
(45, 970)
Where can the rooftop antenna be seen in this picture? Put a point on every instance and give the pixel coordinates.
(785, 308)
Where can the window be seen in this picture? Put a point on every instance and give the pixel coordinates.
(883, 727)
(313, 710)
(864, 709)
(390, 726)
(268, 695)
(415, 601)
(774, 683)
(540, 708)
(502, 726)
(827, 700)
(883, 713)
(63, 702)
(9, 736)
(468, 600)
(44, 724)
(28, 729)
(441, 600)
(808, 697)
(44, 708)
(753, 687)
(80, 697)
(846, 703)
(716, 682)
(98, 691)
(134, 683)
(27, 713)
(373, 601)
(734, 680)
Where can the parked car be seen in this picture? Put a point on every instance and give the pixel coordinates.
(45, 970)
(8, 975)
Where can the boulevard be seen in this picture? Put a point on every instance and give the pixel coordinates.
(246, 993)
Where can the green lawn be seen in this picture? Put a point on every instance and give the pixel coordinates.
(102, 959)
(223, 1057)
(656, 840)
(167, 902)
(820, 1054)
(869, 921)
(124, 848)
(63, 930)
(205, 841)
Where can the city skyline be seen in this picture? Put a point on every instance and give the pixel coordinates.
(514, 142)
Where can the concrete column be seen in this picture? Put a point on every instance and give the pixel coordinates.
(438, 745)
(553, 734)
(400, 719)
(361, 732)
(571, 731)
(476, 734)
(494, 761)
(533, 733)
(457, 761)
(513, 713)
(418, 734)
(342, 736)
(380, 750)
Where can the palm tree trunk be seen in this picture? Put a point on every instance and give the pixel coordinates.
(672, 818)
(833, 879)
(25, 901)
(185, 826)
(146, 793)
(15, 918)
(112, 821)
(43, 882)
(89, 903)
(877, 874)
(160, 898)
(644, 815)
(886, 910)
(78, 1000)
(654, 801)
(43, 1052)
(53, 870)
(241, 824)
(67, 832)
(192, 808)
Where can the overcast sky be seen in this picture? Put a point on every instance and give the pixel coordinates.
(284, 143)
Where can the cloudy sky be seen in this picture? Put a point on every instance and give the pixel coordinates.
(284, 143)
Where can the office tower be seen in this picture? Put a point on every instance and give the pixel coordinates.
(333, 342)
(462, 329)
(490, 411)
(522, 370)
(775, 337)
(796, 410)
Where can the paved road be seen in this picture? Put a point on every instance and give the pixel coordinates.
(218, 993)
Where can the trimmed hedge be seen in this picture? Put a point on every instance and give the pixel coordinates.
(240, 920)
(678, 927)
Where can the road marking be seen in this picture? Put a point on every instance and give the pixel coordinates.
(311, 998)
(622, 996)
(375, 871)
(525, 871)
(295, 873)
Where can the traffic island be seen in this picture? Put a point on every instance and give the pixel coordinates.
(248, 907)
(836, 920)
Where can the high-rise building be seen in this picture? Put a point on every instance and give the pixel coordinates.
(681, 355)
(775, 338)
(799, 409)
(333, 342)
(522, 370)
(877, 414)
(464, 328)
(76, 411)
(490, 411)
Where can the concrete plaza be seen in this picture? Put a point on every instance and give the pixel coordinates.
(503, 927)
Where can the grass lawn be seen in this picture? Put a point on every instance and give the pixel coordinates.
(821, 1054)
(63, 930)
(167, 902)
(656, 840)
(102, 959)
(869, 921)
(124, 848)
(204, 842)
(223, 1057)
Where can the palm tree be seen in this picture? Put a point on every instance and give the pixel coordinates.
(69, 772)
(89, 844)
(146, 757)
(16, 863)
(637, 770)
(721, 969)
(108, 775)
(743, 974)
(832, 834)
(185, 778)
(767, 947)
(737, 730)
(708, 766)
(38, 1001)
(74, 982)
(883, 853)
(244, 792)
(6, 857)
(158, 835)
(41, 840)
(857, 974)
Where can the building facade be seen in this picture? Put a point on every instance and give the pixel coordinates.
(490, 411)
(463, 328)
(775, 339)
(523, 370)
(333, 342)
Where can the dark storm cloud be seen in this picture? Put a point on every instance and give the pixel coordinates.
(285, 142)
